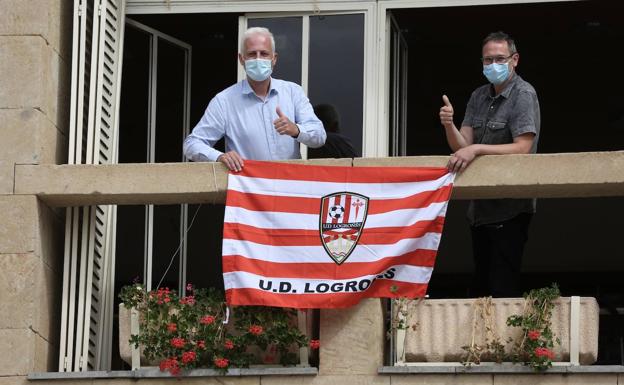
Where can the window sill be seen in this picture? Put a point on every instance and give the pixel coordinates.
(505, 368)
(156, 373)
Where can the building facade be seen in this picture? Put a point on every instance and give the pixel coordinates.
(68, 119)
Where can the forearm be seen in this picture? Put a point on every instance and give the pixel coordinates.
(501, 149)
(312, 134)
(198, 151)
(455, 138)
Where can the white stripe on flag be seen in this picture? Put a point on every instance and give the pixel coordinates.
(245, 280)
(316, 254)
(311, 189)
(277, 220)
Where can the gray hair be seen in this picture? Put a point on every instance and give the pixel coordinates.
(501, 36)
(257, 31)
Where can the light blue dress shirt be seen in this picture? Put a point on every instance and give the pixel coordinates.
(246, 122)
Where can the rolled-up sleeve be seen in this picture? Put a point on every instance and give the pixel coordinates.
(198, 146)
(311, 130)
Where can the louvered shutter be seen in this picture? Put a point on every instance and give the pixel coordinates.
(88, 271)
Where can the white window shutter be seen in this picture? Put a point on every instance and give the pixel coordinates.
(88, 271)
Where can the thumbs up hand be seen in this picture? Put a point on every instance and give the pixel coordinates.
(284, 126)
(446, 112)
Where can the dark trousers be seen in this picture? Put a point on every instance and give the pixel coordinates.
(497, 250)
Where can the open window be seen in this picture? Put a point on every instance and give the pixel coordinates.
(138, 107)
(154, 120)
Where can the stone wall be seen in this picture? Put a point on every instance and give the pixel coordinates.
(34, 71)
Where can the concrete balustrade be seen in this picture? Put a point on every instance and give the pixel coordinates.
(510, 176)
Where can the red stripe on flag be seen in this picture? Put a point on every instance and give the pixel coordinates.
(232, 263)
(379, 289)
(325, 211)
(288, 171)
(347, 209)
(294, 237)
(416, 201)
(260, 202)
(334, 201)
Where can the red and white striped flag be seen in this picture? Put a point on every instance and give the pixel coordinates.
(325, 237)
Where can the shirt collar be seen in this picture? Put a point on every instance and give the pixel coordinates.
(507, 91)
(246, 88)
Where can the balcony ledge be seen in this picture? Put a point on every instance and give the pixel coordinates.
(589, 174)
(504, 368)
(156, 373)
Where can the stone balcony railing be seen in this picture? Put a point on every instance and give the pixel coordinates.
(510, 176)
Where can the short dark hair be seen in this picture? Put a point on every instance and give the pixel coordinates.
(329, 116)
(501, 36)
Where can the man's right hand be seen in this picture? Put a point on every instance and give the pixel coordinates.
(446, 113)
(231, 160)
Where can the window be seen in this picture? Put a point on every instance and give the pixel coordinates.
(133, 101)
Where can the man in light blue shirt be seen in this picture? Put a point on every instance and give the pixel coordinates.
(260, 117)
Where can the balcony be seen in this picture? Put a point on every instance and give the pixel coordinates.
(353, 340)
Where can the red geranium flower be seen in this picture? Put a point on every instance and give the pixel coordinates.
(172, 327)
(256, 330)
(221, 362)
(228, 344)
(188, 357)
(207, 319)
(170, 364)
(201, 344)
(533, 334)
(315, 344)
(178, 342)
(544, 352)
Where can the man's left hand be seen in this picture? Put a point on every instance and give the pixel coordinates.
(284, 126)
(461, 159)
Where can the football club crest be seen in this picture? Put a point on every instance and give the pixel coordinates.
(342, 220)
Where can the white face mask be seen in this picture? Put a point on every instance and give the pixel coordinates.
(258, 69)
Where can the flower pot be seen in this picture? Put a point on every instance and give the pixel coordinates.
(268, 356)
(437, 329)
(125, 331)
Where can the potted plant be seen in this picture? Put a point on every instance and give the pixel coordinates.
(192, 331)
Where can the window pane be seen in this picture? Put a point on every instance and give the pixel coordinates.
(287, 33)
(130, 245)
(166, 242)
(169, 102)
(133, 119)
(336, 72)
(204, 246)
